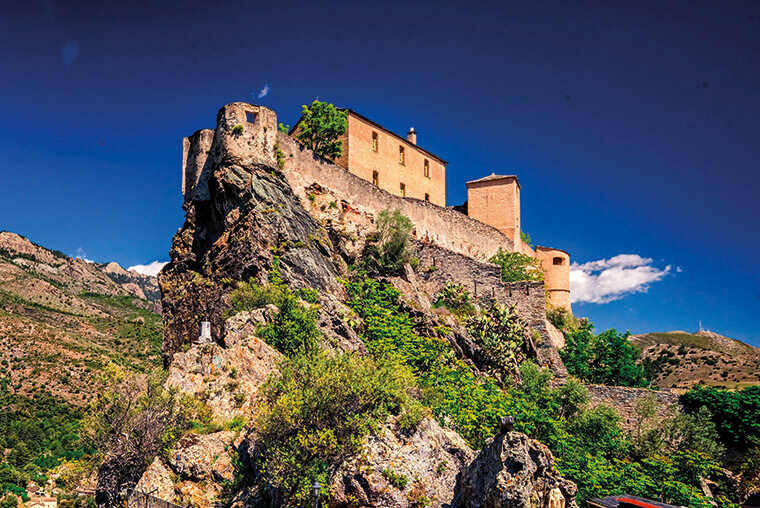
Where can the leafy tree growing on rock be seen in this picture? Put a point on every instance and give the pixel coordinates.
(321, 126)
(517, 267)
(391, 251)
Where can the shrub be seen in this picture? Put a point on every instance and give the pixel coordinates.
(498, 330)
(562, 319)
(398, 480)
(251, 295)
(237, 130)
(283, 128)
(293, 331)
(525, 237)
(392, 252)
(455, 298)
(517, 267)
(317, 412)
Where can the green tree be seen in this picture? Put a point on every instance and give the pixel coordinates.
(608, 358)
(517, 267)
(321, 126)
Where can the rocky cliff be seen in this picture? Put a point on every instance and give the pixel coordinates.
(242, 214)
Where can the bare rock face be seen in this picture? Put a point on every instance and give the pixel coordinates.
(428, 459)
(200, 457)
(158, 480)
(513, 470)
(227, 378)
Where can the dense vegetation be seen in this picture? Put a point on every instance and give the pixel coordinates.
(736, 413)
(38, 432)
(608, 358)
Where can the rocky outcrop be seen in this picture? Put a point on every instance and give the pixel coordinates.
(428, 460)
(513, 470)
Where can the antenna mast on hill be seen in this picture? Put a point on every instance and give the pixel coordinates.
(700, 326)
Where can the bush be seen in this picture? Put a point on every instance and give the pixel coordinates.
(294, 330)
(251, 295)
(237, 130)
(392, 251)
(455, 298)
(498, 330)
(517, 267)
(562, 319)
(398, 480)
(317, 411)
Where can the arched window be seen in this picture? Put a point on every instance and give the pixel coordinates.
(558, 261)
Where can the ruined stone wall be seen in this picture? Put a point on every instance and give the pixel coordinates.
(624, 401)
(195, 152)
(432, 224)
(483, 280)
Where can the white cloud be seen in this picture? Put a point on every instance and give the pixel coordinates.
(69, 52)
(81, 254)
(264, 92)
(151, 269)
(607, 280)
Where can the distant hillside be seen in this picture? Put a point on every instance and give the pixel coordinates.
(680, 359)
(62, 319)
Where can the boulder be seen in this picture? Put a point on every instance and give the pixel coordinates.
(157, 480)
(200, 457)
(428, 458)
(515, 471)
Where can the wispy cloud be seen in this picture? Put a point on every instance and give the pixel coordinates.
(263, 92)
(607, 280)
(81, 254)
(151, 269)
(69, 53)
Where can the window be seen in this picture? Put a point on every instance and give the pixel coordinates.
(426, 169)
(402, 189)
(375, 179)
(250, 117)
(427, 197)
(401, 155)
(374, 141)
(558, 261)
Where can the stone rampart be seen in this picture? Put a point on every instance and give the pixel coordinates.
(624, 401)
(445, 227)
(439, 266)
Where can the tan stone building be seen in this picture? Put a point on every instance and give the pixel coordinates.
(393, 163)
(495, 200)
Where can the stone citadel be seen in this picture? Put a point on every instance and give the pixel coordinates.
(401, 175)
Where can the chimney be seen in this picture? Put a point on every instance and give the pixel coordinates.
(411, 136)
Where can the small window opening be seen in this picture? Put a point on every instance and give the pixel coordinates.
(374, 141)
(375, 179)
(402, 188)
(426, 169)
(558, 261)
(250, 117)
(401, 155)
(427, 197)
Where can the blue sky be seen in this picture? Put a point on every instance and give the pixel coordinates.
(633, 125)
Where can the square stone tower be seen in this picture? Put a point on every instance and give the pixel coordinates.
(495, 200)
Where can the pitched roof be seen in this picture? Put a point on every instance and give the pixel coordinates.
(626, 501)
(493, 177)
(388, 131)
